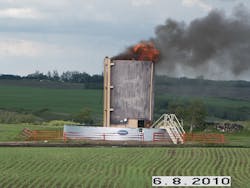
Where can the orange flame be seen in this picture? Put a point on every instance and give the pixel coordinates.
(146, 51)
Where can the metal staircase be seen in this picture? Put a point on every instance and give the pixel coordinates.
(171, 124)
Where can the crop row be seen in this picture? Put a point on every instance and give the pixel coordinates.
(117, 167)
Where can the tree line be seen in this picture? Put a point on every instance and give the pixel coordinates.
(68, 76)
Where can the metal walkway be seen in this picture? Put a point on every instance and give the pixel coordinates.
(171, 124)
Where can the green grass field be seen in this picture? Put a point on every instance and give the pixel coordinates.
(118, 167)
(109, 167)
(63, 102)
(55, 100)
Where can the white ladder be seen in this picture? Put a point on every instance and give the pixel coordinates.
(171, 124)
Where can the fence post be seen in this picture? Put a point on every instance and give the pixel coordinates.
(222, 138)
(184, 137)
(64, 137)
(104, 136)
(35, 135)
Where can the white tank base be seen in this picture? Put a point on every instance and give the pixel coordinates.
(113, 133)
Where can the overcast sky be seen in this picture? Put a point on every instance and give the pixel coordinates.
(65, 35)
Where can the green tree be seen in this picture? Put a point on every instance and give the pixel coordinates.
(84, 116)
(196, 112)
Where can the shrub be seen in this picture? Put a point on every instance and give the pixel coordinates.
(15, 117)
(84, 117)
(59, 123)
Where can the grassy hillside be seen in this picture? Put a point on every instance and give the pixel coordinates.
(223, 99)
(58, 100)
(118, 167)
(203, 88)
(221, 108)
(50, 102)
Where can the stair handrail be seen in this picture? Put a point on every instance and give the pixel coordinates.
(172, 125)
(157, 121)
(179, 124)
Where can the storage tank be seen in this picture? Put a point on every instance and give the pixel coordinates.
(128, 93)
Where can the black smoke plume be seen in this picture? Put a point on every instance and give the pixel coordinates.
(214, 42)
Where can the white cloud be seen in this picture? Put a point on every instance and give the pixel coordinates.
(30, 48)
(138, 3)
(199, 3)
(12, 47)
(20, 13)
(91, 13)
